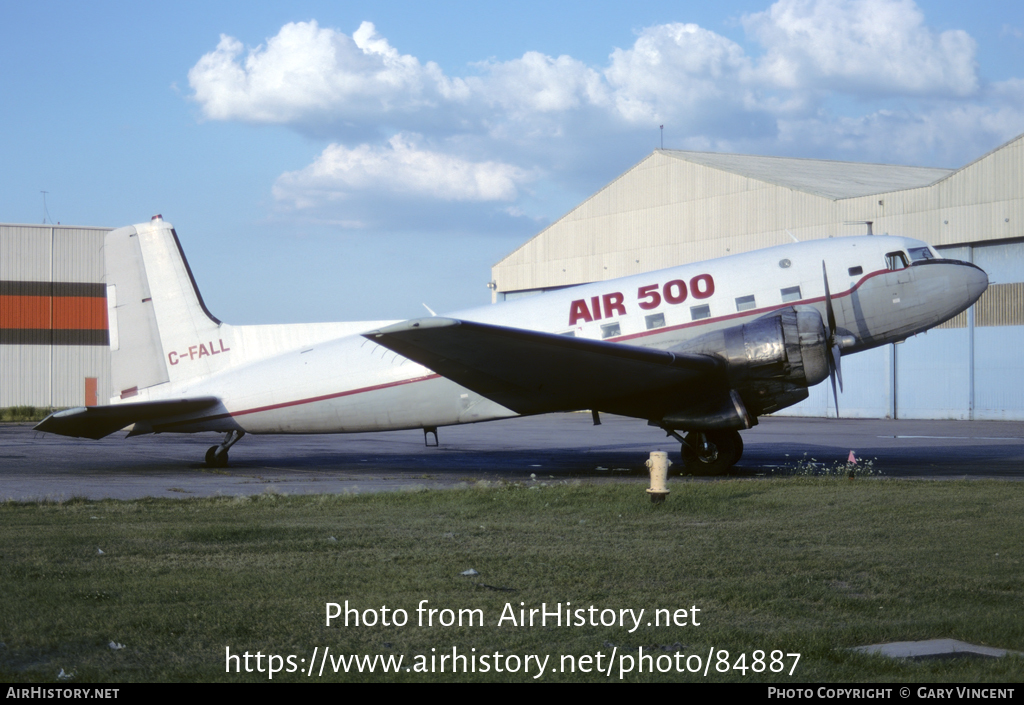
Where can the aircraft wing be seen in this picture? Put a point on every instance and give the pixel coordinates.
(98, 421)
(531, 372)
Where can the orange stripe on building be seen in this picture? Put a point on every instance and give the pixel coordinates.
(25, 312)
(79, 313)
(56, 313)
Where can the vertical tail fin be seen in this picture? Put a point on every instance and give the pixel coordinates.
(160, 329)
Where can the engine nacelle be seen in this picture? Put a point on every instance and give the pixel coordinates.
(773, 360)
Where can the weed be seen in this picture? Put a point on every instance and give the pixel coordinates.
(810, 467)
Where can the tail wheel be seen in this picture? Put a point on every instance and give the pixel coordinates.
(711, 452)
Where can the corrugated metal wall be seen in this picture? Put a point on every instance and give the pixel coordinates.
(53, 335)
(998, 387)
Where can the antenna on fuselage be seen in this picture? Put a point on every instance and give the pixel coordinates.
(792, 236)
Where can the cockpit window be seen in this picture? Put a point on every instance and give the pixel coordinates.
(896, 260)
(918, 254)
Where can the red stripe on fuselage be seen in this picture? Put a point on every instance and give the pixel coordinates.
(752, 312)
(299, 402)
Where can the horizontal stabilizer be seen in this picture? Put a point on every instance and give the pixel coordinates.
(531, 372)
(99, 421)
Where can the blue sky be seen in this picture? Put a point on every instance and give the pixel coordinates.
(340, 161)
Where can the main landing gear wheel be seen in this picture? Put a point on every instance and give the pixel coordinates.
(711, 452)
(216, 461)
(217, 456)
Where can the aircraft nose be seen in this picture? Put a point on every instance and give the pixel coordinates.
(975, 280)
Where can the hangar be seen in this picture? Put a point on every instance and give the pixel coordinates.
(676, 207)
(53, 316)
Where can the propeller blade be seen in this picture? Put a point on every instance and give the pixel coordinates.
(835, 371)
(832, 377)
(836, 356)
(828, 307)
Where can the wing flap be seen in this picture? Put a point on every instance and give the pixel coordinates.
(98, 421)
(532, 372)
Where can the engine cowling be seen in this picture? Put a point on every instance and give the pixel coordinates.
(770, 361)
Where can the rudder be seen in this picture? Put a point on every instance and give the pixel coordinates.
(156, 315)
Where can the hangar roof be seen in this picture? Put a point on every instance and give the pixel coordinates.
(679, 206)
(830, 179)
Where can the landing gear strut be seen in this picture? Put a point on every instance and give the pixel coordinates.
(217, 456)
(709, 452)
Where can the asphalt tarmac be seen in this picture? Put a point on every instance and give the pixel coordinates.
(36, 465)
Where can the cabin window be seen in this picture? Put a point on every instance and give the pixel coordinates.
(656, 320)
(570, 333)
(699, 312)
(919, 254)
(610, 330)
(790, 293)
(896, 260)
(745, 303)
(855, 271)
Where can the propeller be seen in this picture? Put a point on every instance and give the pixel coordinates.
(834, 369)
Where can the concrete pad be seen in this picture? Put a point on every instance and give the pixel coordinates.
(934, 649)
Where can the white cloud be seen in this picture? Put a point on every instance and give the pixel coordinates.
(1011, 31)
(539, 83)
(309, 73)
(864, 47)
(316, 78)
(675, 68)
(400, 167)
(916, 98)
(948, 134)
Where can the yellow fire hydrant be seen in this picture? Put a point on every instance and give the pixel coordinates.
(658, 464)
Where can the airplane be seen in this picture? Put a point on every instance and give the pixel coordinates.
(698, 350)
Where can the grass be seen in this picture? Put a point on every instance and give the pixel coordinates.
(802, 565)
(23, 413)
